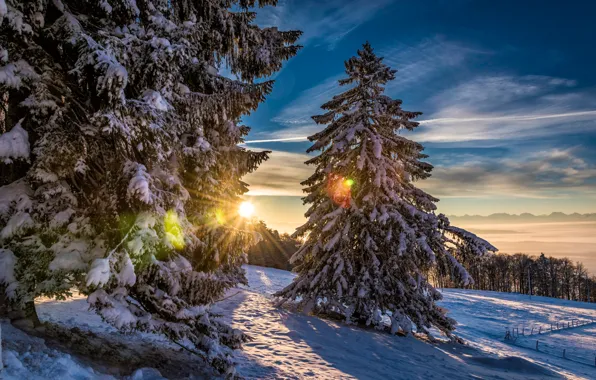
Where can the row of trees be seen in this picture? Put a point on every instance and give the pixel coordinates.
(500, 272)
(521, 273)
(274, 250)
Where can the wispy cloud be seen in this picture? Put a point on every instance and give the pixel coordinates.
(554, 173)
(454, 120)
(416, 64)
(298, 112)
(470, 128)
(491, 91)
(280, 175)
(550, 174)
(508, 107)
(287, 139)
(419, 63)
(323, 22)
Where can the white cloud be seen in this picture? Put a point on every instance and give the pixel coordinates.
(490, 92)
(448, 120)
(417, 64)
(280, 175)
(508, 107)
(323, 22)
(286, 139)
(308, 103)
(488, 108)
(549, 174)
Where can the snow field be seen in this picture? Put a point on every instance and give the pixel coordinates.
(368, 354)
(485, 316)
(290, 345)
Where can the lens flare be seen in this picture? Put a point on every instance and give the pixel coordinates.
(220, 217)
(246, 209)
(339, 189)
(173, 230)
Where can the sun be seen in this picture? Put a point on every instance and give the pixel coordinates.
(246, 209)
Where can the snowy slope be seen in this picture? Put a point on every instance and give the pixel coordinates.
(483, 318)
(290, 345)
(294, 346)
(27, 357)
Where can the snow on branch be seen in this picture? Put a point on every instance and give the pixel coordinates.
(15, 73)
(14, 144)
(7, 276)
(99, 273)
(156, 101)
(139, 185)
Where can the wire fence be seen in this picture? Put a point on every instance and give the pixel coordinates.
(526, 329)
(536, 337)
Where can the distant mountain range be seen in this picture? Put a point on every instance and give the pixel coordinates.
(526, 217)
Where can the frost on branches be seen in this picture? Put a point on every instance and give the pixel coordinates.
(120, 159)
(372, 237)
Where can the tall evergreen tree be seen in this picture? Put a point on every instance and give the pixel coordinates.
(121, 166)
(372, 235)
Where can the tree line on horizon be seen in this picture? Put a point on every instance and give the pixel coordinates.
(501, 272)
(524, 274)
(274, 250)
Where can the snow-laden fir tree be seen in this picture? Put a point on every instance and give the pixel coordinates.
(372, 236)
(120, 160)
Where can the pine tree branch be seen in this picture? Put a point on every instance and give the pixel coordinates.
(225, 298)
(188, 349)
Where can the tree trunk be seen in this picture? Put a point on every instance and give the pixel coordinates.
(27, 316)
(3, 303)
(1, 363)
(31, 313)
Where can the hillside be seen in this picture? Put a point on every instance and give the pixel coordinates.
(290, 345)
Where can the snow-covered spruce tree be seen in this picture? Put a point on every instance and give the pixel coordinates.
(120, 157)
(371, 235)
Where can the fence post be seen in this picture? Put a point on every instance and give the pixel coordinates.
(540, 330)
(536, 344)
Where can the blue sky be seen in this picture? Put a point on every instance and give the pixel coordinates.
(507, 90)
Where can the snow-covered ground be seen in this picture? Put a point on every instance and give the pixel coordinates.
(483, 318)
(290, 345)
(27, 357)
